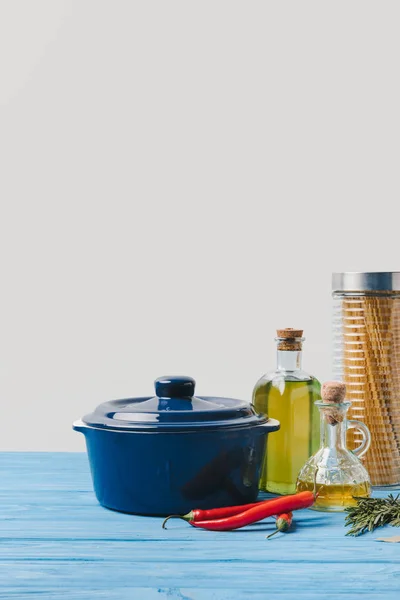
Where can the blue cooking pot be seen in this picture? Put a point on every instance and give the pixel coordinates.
(175, 451)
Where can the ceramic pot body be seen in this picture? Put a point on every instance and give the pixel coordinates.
(159, 473)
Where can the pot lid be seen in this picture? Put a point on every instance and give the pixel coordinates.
(175, 408)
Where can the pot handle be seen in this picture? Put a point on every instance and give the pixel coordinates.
(271, 425)
(79, 426)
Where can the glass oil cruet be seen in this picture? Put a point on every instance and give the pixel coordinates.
(338, 472)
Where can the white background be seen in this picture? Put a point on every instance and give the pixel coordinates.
(177, 180)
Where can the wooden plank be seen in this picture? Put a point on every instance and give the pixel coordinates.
(56, 541)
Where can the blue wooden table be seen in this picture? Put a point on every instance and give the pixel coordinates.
(57, 542)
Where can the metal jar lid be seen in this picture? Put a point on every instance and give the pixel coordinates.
(366, 282)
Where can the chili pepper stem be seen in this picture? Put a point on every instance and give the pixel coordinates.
(188, 517)
(283, 523)
(271, 534)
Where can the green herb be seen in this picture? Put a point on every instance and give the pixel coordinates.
(371, 513)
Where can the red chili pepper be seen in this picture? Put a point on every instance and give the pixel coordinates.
(283, 522)
(197, 514)
(276, 506)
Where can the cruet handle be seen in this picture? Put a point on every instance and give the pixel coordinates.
(366, 442)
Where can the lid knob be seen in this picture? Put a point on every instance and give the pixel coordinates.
(175, 387)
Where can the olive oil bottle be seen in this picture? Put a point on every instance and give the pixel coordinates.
(288, 395)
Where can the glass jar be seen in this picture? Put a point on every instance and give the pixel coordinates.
(366, 338)
(339, 475)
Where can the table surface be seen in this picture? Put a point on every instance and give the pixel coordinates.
(56, 541)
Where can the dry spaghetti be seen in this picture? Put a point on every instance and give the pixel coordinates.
(367, 359)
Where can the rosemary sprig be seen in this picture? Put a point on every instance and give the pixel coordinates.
(371, 513)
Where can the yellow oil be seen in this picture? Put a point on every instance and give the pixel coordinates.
(292, 403)
(335, 497)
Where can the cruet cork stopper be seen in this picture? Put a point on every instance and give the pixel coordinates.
(333, 392)
(289, 338)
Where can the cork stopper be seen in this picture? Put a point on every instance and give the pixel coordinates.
(333, 392)
(289, 333)
(289, 339)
